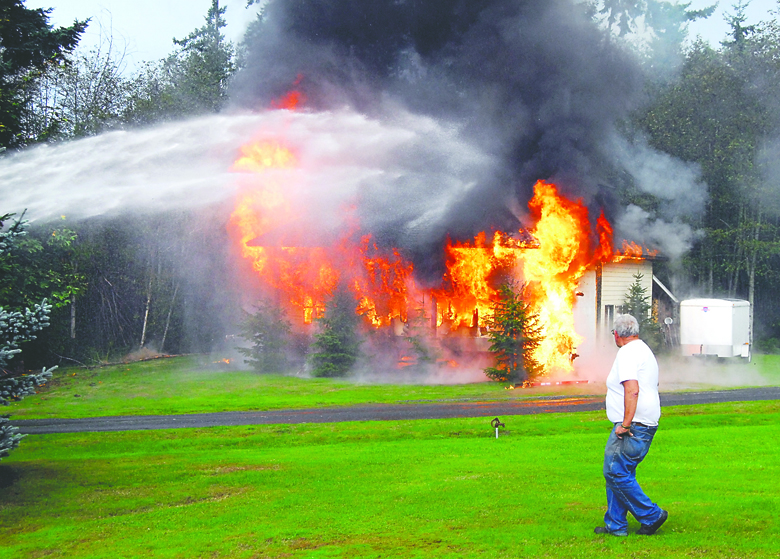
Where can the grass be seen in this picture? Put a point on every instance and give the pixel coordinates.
(193, 385)
(444, 488)
(190, 385)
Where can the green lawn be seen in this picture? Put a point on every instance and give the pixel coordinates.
(195, 385)
(192, 385)
(444, 488)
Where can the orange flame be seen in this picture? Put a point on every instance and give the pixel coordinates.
(259, 156)
(561, 253)
(604, 231)
(553, 272)
(469, 292)
(380, 287)
(292, 99)
(308, 276)
(633, 251)
(550, 259)
(303, 274)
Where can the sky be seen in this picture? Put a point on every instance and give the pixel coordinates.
(144, 29)
(714, 28)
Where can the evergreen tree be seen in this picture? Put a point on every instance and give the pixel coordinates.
(207, 61)
(638, 304)
(515, 332)
(337, 345)
(191, 81)
(28, 46)
(16, 326)
(269, 331)
(658, 28)
(42, 263)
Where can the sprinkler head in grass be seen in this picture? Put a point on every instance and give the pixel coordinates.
(496, 423)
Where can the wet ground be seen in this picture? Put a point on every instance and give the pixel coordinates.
(548, 404)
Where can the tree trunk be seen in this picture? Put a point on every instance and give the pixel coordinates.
(148, 299)
(146, 311)
(168, 318)
(752, 274)
(72, 317)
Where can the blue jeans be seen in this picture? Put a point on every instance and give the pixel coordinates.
(621, 457)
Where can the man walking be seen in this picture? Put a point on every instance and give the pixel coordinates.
(634, 407)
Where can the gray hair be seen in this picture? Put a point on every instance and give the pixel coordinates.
(626, 326)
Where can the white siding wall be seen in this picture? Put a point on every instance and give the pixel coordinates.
(617, 277)
(598, 347)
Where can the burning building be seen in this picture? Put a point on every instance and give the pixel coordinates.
(558, 257)
(491, 149)
(442, 147)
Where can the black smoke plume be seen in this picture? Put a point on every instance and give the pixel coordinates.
(535, 84)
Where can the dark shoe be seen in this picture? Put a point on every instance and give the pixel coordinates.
(651, 529)
(603, 530)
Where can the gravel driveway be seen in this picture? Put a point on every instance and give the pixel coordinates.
(550, 404)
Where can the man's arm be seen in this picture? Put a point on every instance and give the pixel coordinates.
(630, 397)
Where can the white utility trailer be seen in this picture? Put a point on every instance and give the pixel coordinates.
(715, 327)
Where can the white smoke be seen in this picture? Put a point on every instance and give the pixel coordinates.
(673, 238)
(677, 184)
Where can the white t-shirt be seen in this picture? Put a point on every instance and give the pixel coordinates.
(634, 361)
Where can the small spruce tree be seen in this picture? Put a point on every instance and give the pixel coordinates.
(638, 304)
(515, 332)
(337, 345)
(269, 332)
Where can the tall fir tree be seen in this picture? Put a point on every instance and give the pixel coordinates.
(191, 81)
